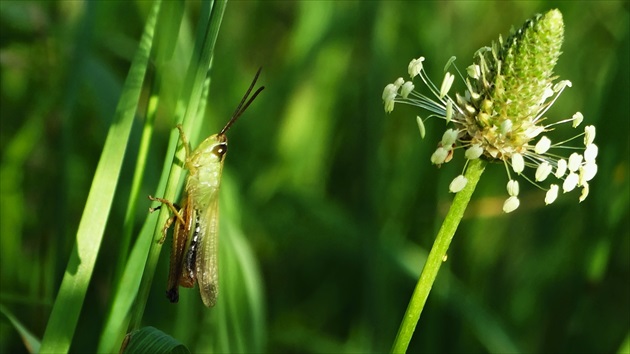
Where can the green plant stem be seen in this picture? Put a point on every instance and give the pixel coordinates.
(436, 257)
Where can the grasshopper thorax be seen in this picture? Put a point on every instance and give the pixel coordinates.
(206, 164)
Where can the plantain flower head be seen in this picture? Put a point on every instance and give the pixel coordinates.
(500, 116)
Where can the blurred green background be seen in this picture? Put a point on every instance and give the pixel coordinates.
(336, 202)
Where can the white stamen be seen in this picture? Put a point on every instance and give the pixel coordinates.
(511, 204)
(589, 134)
(543, 145)
(407, 87)
(570, 182)
(588, 172)
(415, 67)
(449, 137)
(473, 152)
(421, 127)
(389, 90)
(584, 193)
(552, 194)
(506, 127)
(474, 95)
(561, 169)
(473, 71)
(577, 119)
(458, 184)
(518, 163)
(439, 156)
(512, 188)
(446, 84)
(389, 103)
(575, 160)
(590, 153)
(561, 85)
(548, 93)
(543, 171)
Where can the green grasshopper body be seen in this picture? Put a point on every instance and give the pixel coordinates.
(195, 237)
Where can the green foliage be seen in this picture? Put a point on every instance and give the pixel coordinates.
(328, 206)
(152, 340)
(31, 342)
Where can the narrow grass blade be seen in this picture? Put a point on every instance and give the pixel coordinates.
(65, 313)
(208, 30)
(31, 342)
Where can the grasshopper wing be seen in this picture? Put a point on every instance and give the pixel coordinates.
(207, 262)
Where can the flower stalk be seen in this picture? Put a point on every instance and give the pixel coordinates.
(436, 257)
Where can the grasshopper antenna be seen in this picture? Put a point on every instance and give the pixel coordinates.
(241, 108)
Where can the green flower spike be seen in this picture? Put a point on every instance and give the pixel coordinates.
(500, 116)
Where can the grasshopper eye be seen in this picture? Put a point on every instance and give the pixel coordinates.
(219, 150)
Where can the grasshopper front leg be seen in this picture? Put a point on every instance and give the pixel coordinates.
(169, 222)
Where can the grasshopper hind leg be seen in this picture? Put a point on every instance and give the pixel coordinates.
(172, 294)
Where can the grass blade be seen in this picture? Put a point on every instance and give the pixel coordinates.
(207, 34)
(65, 313)
(31, 342)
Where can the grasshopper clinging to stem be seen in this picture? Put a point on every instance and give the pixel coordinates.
(195, 236)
